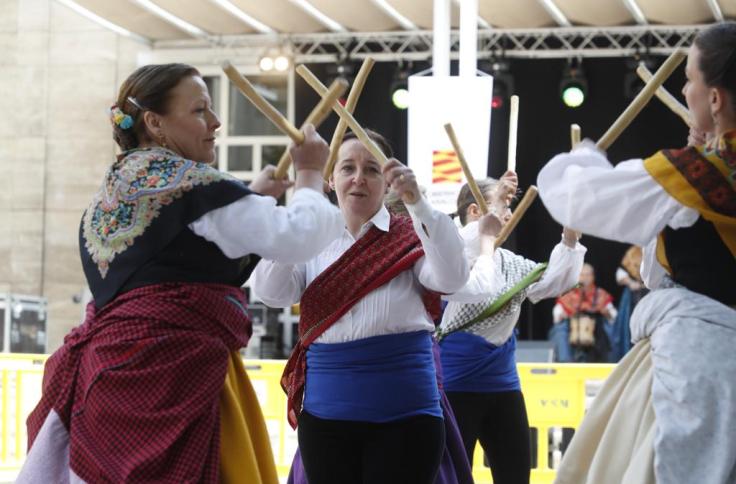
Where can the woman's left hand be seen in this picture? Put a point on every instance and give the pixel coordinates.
(265, 184)
(508, 184)
(570, 237)
(402, 181)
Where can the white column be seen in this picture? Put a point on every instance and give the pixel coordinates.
(441, 39)
(468, 37)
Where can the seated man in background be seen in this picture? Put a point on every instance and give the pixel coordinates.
(580, 317)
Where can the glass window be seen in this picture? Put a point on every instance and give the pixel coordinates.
(271, 154)
(245, 119)
(27, 327)
(216, 164)
(240, 158)
(213, 86)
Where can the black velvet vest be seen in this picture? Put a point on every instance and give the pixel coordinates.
(135, 232)
(701, 262)
(191, 258)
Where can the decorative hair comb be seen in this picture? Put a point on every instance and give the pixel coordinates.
(119, 118)
(135, 103)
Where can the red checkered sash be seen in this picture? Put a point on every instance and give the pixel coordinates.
(372, 261)
(138, 384)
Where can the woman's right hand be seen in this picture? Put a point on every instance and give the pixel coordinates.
(312, 154)
(490, 224)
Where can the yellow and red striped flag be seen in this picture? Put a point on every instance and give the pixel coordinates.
(446, 167)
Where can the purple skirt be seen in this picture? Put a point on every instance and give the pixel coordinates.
(454, 467)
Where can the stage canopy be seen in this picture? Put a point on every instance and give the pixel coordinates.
(323, 30)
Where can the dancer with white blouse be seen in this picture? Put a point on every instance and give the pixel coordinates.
(361, 380)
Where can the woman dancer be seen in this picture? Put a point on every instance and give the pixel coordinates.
(363, 364)
(477, 339)
(151, 387)
(668, 411)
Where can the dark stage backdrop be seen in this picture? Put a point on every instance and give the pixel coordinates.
(544, 130)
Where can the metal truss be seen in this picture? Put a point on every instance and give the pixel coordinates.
(417, 45)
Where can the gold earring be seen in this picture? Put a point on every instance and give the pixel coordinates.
(163, 141)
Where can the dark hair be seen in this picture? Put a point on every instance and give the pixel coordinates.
(149, 87)
(717, 46)
(465, 198)
(382, 142)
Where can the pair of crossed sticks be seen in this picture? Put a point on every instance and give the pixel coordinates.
(318, 115)
(330, 95)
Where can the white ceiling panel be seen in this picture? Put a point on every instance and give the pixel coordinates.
(206, 15)
(599, 12)
(515, 14)
(367, 18)
(676, 12)
(134, 18)
(420, 12)
(287, 17)
(280, 15)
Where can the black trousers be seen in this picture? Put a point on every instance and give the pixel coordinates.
(345, 452)
(499, 422)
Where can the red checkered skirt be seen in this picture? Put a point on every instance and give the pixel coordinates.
(137, 385)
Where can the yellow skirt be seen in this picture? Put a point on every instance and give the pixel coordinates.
(245, 448)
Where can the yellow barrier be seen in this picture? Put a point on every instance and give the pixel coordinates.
(265, 376)
(556, 397)
(21, 389)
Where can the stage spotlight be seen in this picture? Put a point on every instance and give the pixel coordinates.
(573, 86)
(266, 63)
(342, 69)
(400, 87)
(573, 95)
(503, 82)
(275, 58)
(281, 63)
(400, 97)
(632, 83)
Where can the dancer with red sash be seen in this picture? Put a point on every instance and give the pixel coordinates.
(668, 411)
(361, 381)
(151, 387)
(454, 465)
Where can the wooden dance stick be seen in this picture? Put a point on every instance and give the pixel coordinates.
(641, 100)
(524, 204)
(574, 141)
(315, 84)
(513, 125)
(342, 125)
(479, 199)
(574, 135)
(316, 117)
(261, 104)
(664, 95)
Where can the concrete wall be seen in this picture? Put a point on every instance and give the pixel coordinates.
(59, 72)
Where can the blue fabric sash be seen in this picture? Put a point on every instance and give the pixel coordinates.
(379, 379)
(471, 364)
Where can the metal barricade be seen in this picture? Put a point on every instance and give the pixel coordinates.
(556, 395)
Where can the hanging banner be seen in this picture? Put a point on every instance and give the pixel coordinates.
(433, 102)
